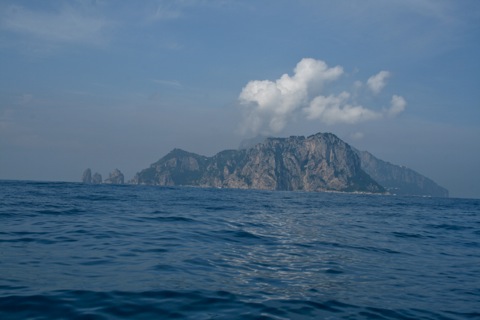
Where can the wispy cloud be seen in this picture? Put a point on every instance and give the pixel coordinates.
(357, 135)
(170, 10)
(66, 25)
(438, 9)
(269, 105)
(397, 106)
(377, 82)
(165, 12)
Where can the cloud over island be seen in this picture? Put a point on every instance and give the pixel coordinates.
(269, 105)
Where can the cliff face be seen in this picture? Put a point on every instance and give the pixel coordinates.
(320, 162)
(399, 180)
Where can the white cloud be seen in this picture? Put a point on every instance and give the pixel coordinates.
(397, 105)
(273, 102)
(337, 109)
(66, 25)
(377, 82)
(269, 105)
(334, 109)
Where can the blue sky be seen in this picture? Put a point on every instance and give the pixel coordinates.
(118, 84)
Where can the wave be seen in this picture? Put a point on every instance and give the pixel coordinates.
(170, 304)
(152, 252)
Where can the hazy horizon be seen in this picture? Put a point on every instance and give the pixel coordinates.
(105, 85)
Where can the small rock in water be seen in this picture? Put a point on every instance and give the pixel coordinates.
(115, 177)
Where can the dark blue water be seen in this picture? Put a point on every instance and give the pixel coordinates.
(108, 252)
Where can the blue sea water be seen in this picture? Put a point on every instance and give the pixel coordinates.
(74, 251)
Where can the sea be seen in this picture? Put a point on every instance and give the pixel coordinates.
(76, 251)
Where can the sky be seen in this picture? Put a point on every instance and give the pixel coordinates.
(106, 84)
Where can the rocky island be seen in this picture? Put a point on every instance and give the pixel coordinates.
(321, 162)
(89, 179)
(115, 177)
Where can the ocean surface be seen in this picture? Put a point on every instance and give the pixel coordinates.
(74, 251)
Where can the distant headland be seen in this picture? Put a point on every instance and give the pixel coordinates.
(320, 162)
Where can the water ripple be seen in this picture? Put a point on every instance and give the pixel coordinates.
(107, 252)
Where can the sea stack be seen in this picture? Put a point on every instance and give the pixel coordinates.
(87, 176)
(115, 177)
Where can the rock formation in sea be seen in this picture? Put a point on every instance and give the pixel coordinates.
(97, 178)
(87, 176)
(398, 179)
(115, 177)
(89, 179)
(321, 162)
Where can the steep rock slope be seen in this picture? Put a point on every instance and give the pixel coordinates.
(399, 180)
(321, 162)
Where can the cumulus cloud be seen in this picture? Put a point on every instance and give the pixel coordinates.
(377, 82)
(269, 105)
(337, 109)
(274, 101)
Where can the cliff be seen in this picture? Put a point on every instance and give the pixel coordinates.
(399, 180)
(321, 162)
